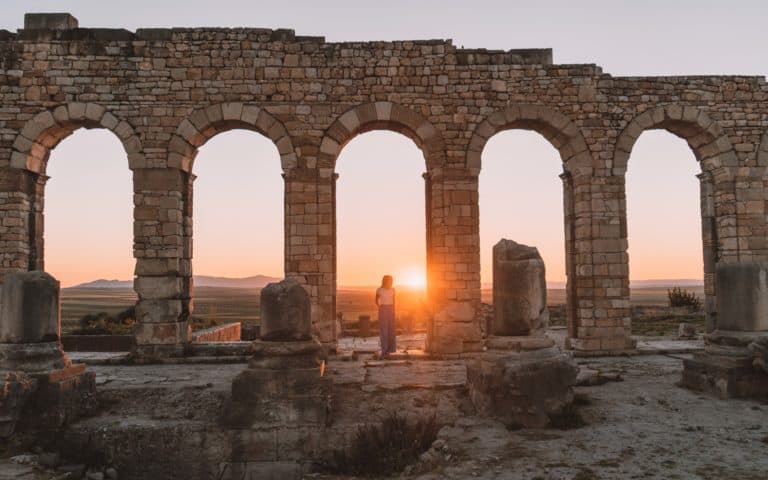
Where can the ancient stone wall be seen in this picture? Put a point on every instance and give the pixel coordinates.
(165, 92)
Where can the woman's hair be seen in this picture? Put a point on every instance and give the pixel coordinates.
(386, 281)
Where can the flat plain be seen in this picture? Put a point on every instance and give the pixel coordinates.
(242, 304)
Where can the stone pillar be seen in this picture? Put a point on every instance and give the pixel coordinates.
(571, 299)
(310, 243)
(283, 396)
(33, 368)
(522, 379)
(163, 251)
(709, 248)
(18, 194)
(732, 363)
(454, 263)
(601, 266)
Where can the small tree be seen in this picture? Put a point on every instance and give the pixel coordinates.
(683, 298)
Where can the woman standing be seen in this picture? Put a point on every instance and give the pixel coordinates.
(385, 300)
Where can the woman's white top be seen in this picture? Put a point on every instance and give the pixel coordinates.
(386, 296)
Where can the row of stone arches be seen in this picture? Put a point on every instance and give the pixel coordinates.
(704, 135)
(711, 147)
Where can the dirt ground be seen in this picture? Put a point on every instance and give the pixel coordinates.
(644, 427)
(640, 427)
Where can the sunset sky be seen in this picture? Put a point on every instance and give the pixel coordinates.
(238, 193)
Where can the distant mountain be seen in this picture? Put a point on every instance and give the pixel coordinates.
(103, 283)
(256, 281)
(655, 283)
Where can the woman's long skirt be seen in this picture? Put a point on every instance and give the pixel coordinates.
(387, 328)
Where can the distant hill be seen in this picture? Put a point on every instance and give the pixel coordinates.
(103, 283)
(256, 281)
(655, 283)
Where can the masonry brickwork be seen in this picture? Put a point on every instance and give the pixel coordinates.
(165, 92)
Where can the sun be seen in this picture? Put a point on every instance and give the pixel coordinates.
(413, 277)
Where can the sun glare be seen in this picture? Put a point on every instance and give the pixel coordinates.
(412, 277)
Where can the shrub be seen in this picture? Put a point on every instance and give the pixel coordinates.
(385, 449)
(683, 298)
(104, 324)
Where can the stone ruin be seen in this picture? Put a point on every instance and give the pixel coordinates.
(523, 378)
(41, 388)
(165, 92)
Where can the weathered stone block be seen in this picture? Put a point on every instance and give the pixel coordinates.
(519, 289)
(522, 390)
(742, 296)
(30, 308)
(15, 389)
(285, 312)
(49, 21)
(726, 377)
(283, 384)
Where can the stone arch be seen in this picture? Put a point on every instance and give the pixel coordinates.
(710, 145)
(45, 130)
(203, 123)
(382, 116)
(563, 134)
(557, 128)
(713, 150)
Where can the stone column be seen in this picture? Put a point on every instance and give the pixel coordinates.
(571, 299)
(310, 243)
(163, 249)
(709, 248)
(522, 379)
(18, 243)
(454, 262)
(601, 280)
(283, 396)
(732, 364)
(33, 367)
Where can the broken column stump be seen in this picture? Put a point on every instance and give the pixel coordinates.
(283, 394)
(522, 379)
(522, 389)
(42, 388)
(519, 290)
(733, 362)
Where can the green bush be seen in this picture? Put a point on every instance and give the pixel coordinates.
(385, 449)
(103, 323)
(683, 298)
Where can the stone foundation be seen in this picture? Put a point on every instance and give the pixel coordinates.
(523, 389)
(283, 385)
(726, 377)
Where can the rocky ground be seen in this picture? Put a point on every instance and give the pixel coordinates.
(636, 422)
(641, 427)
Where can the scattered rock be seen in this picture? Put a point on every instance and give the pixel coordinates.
(26, 459)
(74, 471)
(686, 331)
(95, 476)
(588, 377)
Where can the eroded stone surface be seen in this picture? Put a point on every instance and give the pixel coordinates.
(525, 389)
(519, 290)
(285, 312)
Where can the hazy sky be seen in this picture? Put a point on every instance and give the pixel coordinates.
(238, 194)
